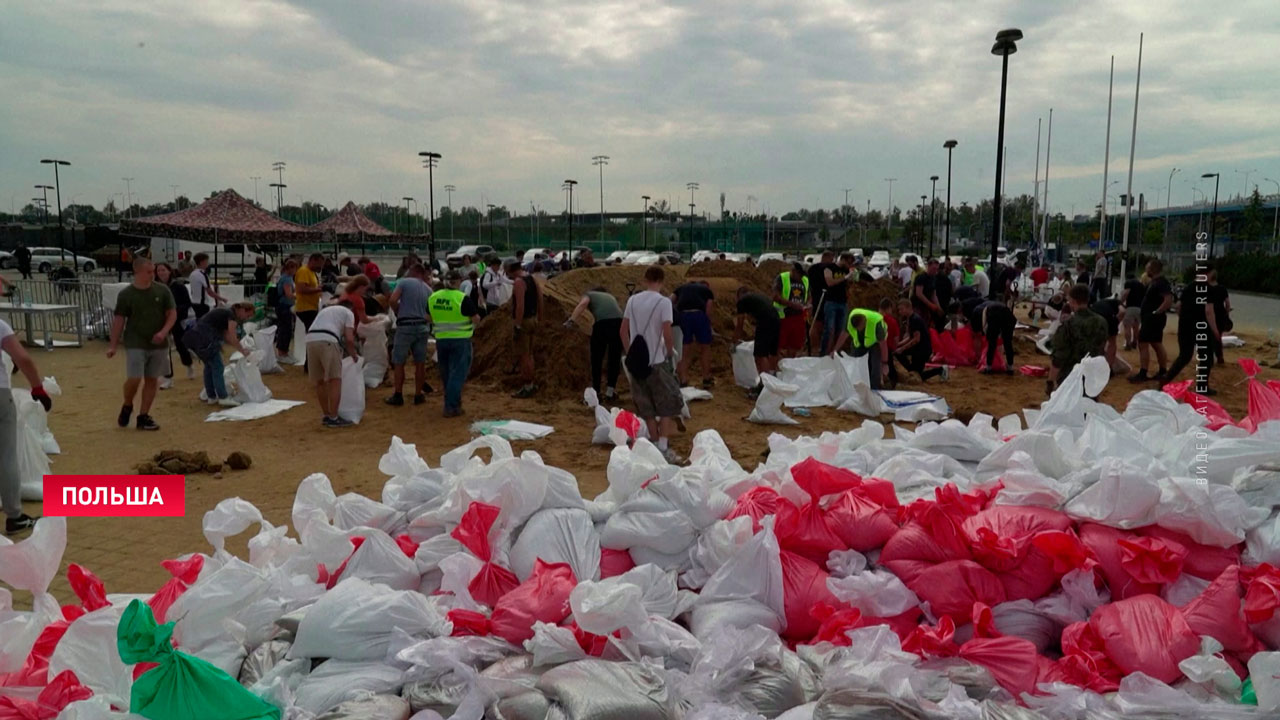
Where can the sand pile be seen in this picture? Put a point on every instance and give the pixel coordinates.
(869, 295)
(745, 273)
(771, 269)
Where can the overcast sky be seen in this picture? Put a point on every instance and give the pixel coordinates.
(789, 101)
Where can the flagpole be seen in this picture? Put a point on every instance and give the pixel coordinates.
(1133, 143)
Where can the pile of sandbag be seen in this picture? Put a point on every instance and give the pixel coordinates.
(1089, 565)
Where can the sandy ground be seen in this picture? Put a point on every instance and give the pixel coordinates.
(126, 553)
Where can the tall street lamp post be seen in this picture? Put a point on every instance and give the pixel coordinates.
(491, 206)
(644, 222)
(449, 189)
(692, 188)
(44, 190)
(57, 185)
(279, 185)
(255, 179)
(691, 207)
(1168, 200)
(569, 184)
(128, 195)
(946, 248)
(891, 181)
(600, 161)
(1005, 45)
(431, 158)
(1275, 223)
(922, 241)
(933, 213)
(1213, 219)
(408, 217)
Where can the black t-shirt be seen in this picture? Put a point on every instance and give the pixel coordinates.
(995, 310)
(693, 296)
(217, 321)
(530, 297)
(926, 282)
(1218, 298)
(1004, 275)
(1109, 308)
(917, 324)
(943, 290)
(1194, 297)
(1137, 291)
(759, 307)
(1156, 293)
(818, 283)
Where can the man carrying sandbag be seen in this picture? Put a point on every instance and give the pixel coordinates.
(409, 303)
(869, 333)
(10, 482)
(1083, 334)
(454, 316)
(205, 339)
(333, 326)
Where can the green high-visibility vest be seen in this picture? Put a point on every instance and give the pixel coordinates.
(786, 292)
(446, 315)
(869, 331)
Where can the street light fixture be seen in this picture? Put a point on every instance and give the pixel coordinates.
(600, 161)
(279, 185)
(44, 189)
(128, 195)
(644, 222)
(1213, 219)
(949, 145)
(449, 189)
(891, 181)
(407, 216)
(58, 193)
(922, 199)
(1005, 45)
(491, 206)
(933, 213)
(1275, 224)
(430, 163)
(569, 185)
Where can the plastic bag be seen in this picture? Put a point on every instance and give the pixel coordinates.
(1145, 634)
(373, 707)
(181, 686)
(373, 349)
(1264, 671)
(748, 588)
(31, 564)
(598, 690)
(1218, 612)
(356, 620)
(86, 650)
(804, 588)
(264, 339)
(877, 593)
(544, 597)
(744, 365)
(473, 531)
(558, 535)
(335, 681)
(768, 407)
(351, 404)
(53, 698)
(248, 378)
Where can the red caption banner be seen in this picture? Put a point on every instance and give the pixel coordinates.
(115, 495)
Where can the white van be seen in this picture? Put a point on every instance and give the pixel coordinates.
(225, 256)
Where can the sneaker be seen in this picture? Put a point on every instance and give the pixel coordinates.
(946, 374)
(166, 383)
(672, 456)
(452, 412)
(340, 422)
(228, 402)
(1140, 376)
(610, 395)
(191, 372)
(126, 411)
(419, 399)
(209, 400)
(204, 396)
(146, 423)
(327, 421)
(19, 524)
(396, 400)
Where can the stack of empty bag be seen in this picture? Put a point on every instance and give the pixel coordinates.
(1090, 564)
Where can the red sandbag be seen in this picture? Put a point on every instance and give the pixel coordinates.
(952, 587)
(1065, 550)
(1008, 659)
(1034, 370)
(1145, 634)
(1203, 561)
(933, 642)
(860, 523)
(998, 363)
(1250, 367)
(1083, 671)
(185, 573)
(1216, 415)
(35, 670)
(756, 503)
(1000, 536)
(819, 479)
(492, 581)
(953, 348)
(805, 530)
(469, 622)
(1151, 560)
(628, 423)
(1264, 405)
(88, 587)
(1104, 543)
(59, 693)
(1219, 613)
(544, 597)
(591, 644)
(835, 623)
(614, 562)
(804, 587)
(1262, 597)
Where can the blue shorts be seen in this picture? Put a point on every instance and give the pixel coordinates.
(410, 338)
(696, 327)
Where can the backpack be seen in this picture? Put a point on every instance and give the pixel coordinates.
(638, 357)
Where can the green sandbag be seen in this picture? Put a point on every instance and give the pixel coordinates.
(181, 687)
(1247, 695)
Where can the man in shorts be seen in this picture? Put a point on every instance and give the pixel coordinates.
(145, 313)
(657, 395)
(1153, 317)
(1135, 290)
(409, 303)
(693, 312)
(332, 326)
(791, 299)
(761, 310)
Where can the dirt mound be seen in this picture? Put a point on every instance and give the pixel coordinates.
(620, 281)
(869, 295)
(745, 273)
(181, 462)
(770, 269)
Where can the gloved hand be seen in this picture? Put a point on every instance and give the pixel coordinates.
(39, 395)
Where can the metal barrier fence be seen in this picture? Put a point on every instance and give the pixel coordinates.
(87, 295)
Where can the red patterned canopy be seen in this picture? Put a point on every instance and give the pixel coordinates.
(226, 216)
(350, 221)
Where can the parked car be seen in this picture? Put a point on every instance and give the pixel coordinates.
(672, 257)
(616, 257)
(573, 254)
(532, 253)
(704, 255)
(454, 259)
(7, 261)
(880, 259)
(640, 257)
(766, 257)
(739, 257)
(44, 259)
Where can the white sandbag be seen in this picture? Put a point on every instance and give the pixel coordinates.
(33, 460)
(624, 601)
(768, 408)
(371, 707)
(298, 353)
(264, 341)
(351, 405)
(380, 561)
(713, 549)
(558, 535)
(373, 349)
(595, 689)
(1116, 494)
(877, 593)
(812, 376)
(249, 387)
(355, 621)
(89, 650)
(744, 365)
(752, 577)
(19, 630)
(353, 510)
(336, 681)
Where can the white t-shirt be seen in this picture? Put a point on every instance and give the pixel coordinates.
(982, 282)
(5, 332)
(905, 276)
(199, 288)
(646, 313)
(330, 324)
